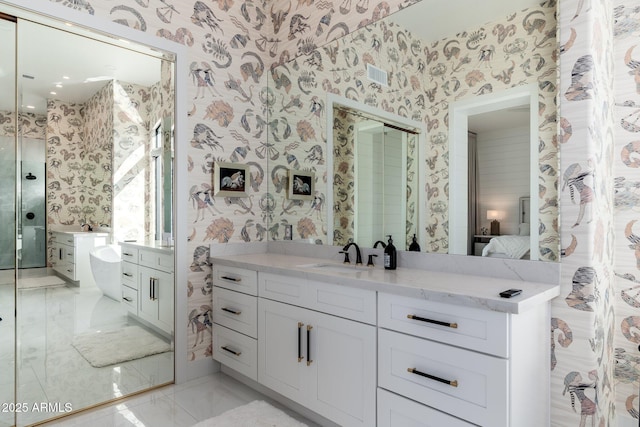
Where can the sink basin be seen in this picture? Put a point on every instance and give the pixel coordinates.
(338, 268)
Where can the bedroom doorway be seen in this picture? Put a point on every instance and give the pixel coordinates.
(472, 208)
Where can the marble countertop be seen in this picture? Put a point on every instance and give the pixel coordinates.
(157, 246)
(458, 289)
(82, 233)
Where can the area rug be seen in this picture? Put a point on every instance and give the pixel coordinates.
(255, 414)
(104, 348)
(40, 282)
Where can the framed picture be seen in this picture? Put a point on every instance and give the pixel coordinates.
(301, 185)
(230, 179)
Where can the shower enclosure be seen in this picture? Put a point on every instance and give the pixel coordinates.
(32, 238)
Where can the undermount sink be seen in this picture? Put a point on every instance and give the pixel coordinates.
(339, 268)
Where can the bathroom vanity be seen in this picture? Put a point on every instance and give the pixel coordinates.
(367, 346)
(147, 283)
(70, 254)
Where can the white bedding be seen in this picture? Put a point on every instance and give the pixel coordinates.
(513, 246)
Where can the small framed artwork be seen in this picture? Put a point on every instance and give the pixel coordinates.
(301, 185)
(230, 179)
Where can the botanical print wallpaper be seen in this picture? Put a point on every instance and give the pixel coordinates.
(425, 77)
(232, 46)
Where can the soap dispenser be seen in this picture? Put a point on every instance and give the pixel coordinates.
(390, 255)
(414, 246)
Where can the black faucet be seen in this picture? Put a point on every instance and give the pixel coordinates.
(345, 251)
(375, 245)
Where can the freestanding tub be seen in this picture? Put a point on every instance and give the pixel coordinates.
(105, 267)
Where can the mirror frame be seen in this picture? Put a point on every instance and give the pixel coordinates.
(458, 160)
(423, 209)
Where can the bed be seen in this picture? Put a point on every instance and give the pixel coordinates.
(513, 246)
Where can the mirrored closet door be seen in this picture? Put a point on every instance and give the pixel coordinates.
(86, 153)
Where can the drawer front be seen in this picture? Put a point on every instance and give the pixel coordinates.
(291, 290)
(236, 311)
(236, 279)
(351, 303)
(394, 411)
(482, 330)
(459, 382)
(129, 274)
(130, 299)
(68, 254)
(129, 254)
(67, 269)
(235, 350)
(158, 260)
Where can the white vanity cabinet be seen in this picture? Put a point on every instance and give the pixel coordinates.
(485, 367)
(316, 357)
(147, 284)
(235, 319)
(71, 254)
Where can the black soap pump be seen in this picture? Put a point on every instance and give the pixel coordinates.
(414, 246)
(390, 255)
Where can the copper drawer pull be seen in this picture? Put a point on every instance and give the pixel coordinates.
(435, 322)
(453, 383)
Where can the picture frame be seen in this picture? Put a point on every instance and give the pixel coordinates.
(301, 185)
(230, 179)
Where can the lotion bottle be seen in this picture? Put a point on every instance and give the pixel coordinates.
(390, 256)
(414, 246)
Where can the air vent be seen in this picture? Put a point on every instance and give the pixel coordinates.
(377, 75)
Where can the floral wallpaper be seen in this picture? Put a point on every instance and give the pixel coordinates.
(233, 45)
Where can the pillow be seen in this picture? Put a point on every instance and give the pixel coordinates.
(524, 229)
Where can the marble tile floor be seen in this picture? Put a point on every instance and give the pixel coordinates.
(49, 369)
(180, 405)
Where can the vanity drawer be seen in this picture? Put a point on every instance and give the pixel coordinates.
(482, 330)
(236, 311)
(235, 350)
(129, 274)
(130, 299)
(463, 383)
(129, 254)
(236, 279)
(344, 301)
(394, 411)
(67, 269)
(158, 260)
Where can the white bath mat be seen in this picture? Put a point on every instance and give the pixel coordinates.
(40, 282)
(255, 414)
(104, 348)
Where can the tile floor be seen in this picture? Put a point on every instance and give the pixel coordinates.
(50, 370)
(174, 405)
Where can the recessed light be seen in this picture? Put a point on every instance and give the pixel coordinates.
(31, 107)
(65, 77)
(58, 85)
(53, 93)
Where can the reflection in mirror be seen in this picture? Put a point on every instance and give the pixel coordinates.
(86, 124)
(426, 72)
(375, 175)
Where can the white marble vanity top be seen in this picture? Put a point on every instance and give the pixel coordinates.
(156, 246)
(82, 233)
(458, 289)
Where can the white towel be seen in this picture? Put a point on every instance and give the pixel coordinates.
(513, 246)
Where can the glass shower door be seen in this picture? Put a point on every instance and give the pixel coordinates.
(32, 238)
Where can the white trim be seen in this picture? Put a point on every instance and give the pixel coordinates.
(333, 99)
(459, 113)
(41, 10)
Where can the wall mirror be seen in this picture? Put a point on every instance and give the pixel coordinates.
(411, 65)
(94, 153)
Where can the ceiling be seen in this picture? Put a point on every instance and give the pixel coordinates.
(81, 66)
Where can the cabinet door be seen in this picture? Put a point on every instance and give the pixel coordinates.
(155, 296)
(343, 369)
(281, 341)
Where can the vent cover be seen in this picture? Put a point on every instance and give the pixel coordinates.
(377, 75)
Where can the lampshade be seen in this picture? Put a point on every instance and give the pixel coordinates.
(491, 214)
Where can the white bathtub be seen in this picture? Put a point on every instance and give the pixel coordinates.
(105, 267)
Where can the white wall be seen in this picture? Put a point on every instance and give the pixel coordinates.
(503, 173)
